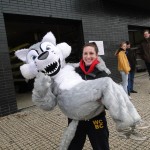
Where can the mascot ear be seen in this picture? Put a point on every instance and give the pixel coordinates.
(65, 49)
(49, 37)
(21, 54)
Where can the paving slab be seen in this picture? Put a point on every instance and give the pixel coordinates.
(35, 129)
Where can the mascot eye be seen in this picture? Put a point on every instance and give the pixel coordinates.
(45, 46)
(31, 56)
(48, 48)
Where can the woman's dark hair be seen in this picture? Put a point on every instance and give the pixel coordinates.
(92, 44)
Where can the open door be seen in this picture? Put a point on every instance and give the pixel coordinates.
(136, 37)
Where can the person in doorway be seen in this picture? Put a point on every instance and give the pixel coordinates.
(96, 128)
(145, 50)
(131, 55)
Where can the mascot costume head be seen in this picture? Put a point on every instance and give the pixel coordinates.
(57, 83)
(45, 56)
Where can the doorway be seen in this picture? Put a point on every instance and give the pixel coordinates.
(23, 31)
(135, 37)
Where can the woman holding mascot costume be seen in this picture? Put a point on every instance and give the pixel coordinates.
(96, 128)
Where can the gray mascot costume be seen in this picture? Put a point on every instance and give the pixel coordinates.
(56, 83)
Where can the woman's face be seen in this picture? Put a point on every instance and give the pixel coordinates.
(89, 55)
(124, 46)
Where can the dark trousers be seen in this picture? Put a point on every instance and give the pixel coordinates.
(130, 81)
(148, 67)
(97, 131)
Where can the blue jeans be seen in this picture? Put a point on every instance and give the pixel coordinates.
(130, 81)
(124, 83)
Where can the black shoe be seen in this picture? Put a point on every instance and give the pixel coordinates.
(133, 91)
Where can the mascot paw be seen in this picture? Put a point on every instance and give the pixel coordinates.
(42, 82)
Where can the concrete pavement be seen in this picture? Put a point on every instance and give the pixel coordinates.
(35, 129)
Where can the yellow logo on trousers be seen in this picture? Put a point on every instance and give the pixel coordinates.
(98, 124)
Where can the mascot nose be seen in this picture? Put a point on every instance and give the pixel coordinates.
(43, 56)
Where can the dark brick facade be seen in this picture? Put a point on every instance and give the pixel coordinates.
(101, 21)
(7, 94)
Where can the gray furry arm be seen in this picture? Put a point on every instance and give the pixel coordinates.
(42, 95)
(102, 66)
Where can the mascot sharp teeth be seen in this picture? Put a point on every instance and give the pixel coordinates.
(52, 68)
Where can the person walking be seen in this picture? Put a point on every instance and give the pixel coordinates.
(131, 55)
(96, 128)
(145, 50)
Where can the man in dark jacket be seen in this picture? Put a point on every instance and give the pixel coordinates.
(131, 55)
(145, 50)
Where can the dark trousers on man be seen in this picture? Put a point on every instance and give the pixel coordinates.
(148, 67)
(97, 131)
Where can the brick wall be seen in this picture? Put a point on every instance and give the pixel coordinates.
(7, 93)
(100, 19)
